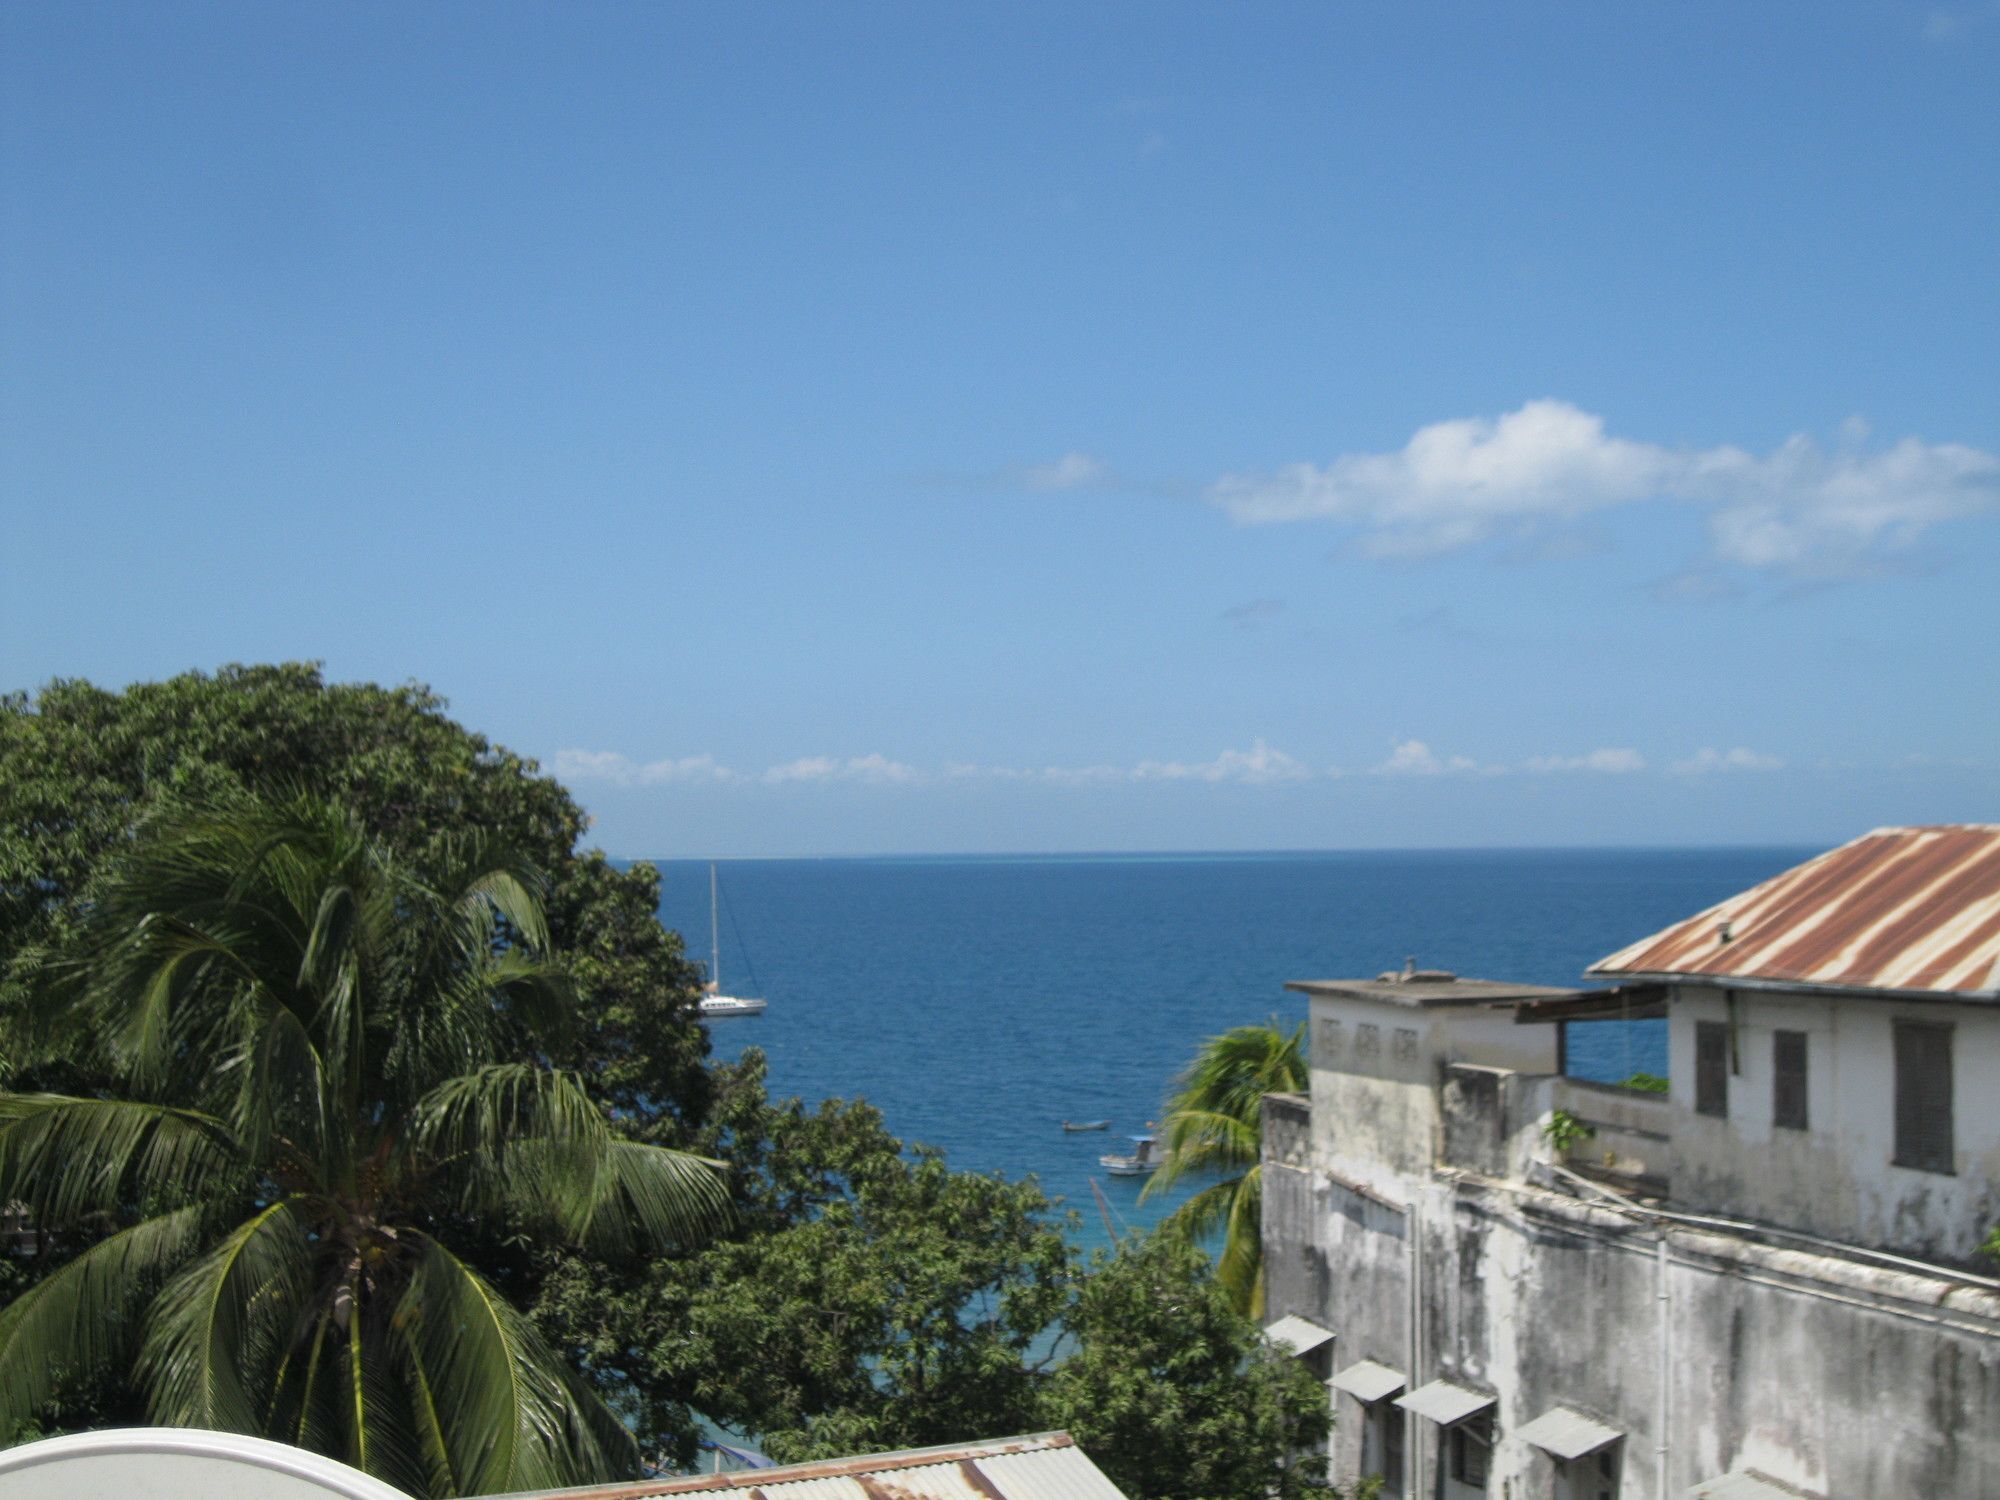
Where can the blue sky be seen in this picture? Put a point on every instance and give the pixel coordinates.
(906, 428)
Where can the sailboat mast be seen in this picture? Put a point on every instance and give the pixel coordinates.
(714, 935)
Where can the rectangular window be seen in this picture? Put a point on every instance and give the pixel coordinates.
(1923, 1096)
(1382, 1447)
(1711, 1069)
(1788, 1080)
(1592, 1477)
(1472, 1449)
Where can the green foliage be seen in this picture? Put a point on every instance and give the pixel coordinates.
(317, 1102)
(868, 1299)
(1565, 1130)
(1646, 1083)
(863, 1298)
(1173, 1394)
(82, 768)
(1990, 1246)
(1214, 1128)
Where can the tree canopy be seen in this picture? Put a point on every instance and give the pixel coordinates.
(864, 1296)
(82, 768)
(327, 1076)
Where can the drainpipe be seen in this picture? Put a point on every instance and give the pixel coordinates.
(1663, 1302)
(1413, 1427)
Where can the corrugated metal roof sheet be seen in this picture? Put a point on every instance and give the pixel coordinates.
(1745, 1484)
(1567, 1433)
(1045, 1466)
(1365, 1380)
(1911, 909)
(1445, 1402)
(1297, 1335)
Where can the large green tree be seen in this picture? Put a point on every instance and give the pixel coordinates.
(82, 767)
(867, 1298)
(327, 1073)
(864, 1296)
(1214, 1128)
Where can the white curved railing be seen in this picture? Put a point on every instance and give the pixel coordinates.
(178, 1463)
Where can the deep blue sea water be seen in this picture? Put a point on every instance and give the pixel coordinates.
(979, 1002)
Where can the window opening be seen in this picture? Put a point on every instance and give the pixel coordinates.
(1923, 1096)
(1711, 1069)
(1472, 1449)
(1788, 1080)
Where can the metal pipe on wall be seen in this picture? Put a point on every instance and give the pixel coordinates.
(1663, 1302)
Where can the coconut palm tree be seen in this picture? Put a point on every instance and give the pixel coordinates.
(1214, 1128)
(332, 1079)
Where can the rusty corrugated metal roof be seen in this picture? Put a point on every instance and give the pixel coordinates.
(1908, 909)
(1045, 1466)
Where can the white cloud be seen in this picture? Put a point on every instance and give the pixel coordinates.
(1800, 509)
(1260, 763)
(870, 768)
(1415, 758)
(621, 770)
(1616, 762)
(1707, 759)
(1073, 471)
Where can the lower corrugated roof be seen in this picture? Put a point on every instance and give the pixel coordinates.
(1042, 1466)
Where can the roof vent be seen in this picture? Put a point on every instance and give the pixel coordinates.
(1411, 974)
(1724, 930)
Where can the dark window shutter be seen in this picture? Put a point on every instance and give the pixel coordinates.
(1923, 1096)
(1711, 1069)
(1788, 1083)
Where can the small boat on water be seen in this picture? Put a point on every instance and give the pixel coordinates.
(1075, 1125)
(1142, 1162)
(715, 1005)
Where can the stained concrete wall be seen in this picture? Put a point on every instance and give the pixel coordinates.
(1845, 1379)
(1836, 1178)
(1376, 1068)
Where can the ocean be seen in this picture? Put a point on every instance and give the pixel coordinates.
(979, 1002)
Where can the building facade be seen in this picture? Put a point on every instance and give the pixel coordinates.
(1764, 1282)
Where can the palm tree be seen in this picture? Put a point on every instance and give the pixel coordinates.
(1214, 1128)
(330, 1073)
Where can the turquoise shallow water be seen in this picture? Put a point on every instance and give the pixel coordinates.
(979, 1002)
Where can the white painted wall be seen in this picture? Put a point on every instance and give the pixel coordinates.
(1837, 1178)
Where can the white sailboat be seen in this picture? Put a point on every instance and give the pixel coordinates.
(714, 1004)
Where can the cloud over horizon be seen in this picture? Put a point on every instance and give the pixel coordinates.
(1801, 510)
(1262, 764)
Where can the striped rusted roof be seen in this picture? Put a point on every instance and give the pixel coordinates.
(1906, 909)
(1044, 1466)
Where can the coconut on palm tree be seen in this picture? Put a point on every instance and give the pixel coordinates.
(1214, 1128)
(331, 1078)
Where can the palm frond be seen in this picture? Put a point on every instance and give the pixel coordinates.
(1203, 1142)
(67, 1158)
(1204, 1213)
(86, 1314)
(515, 1424)
(220, 1329)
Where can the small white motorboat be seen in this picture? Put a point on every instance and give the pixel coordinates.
(1140, 1163)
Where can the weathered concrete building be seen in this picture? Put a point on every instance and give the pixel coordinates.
(1765, 1282)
